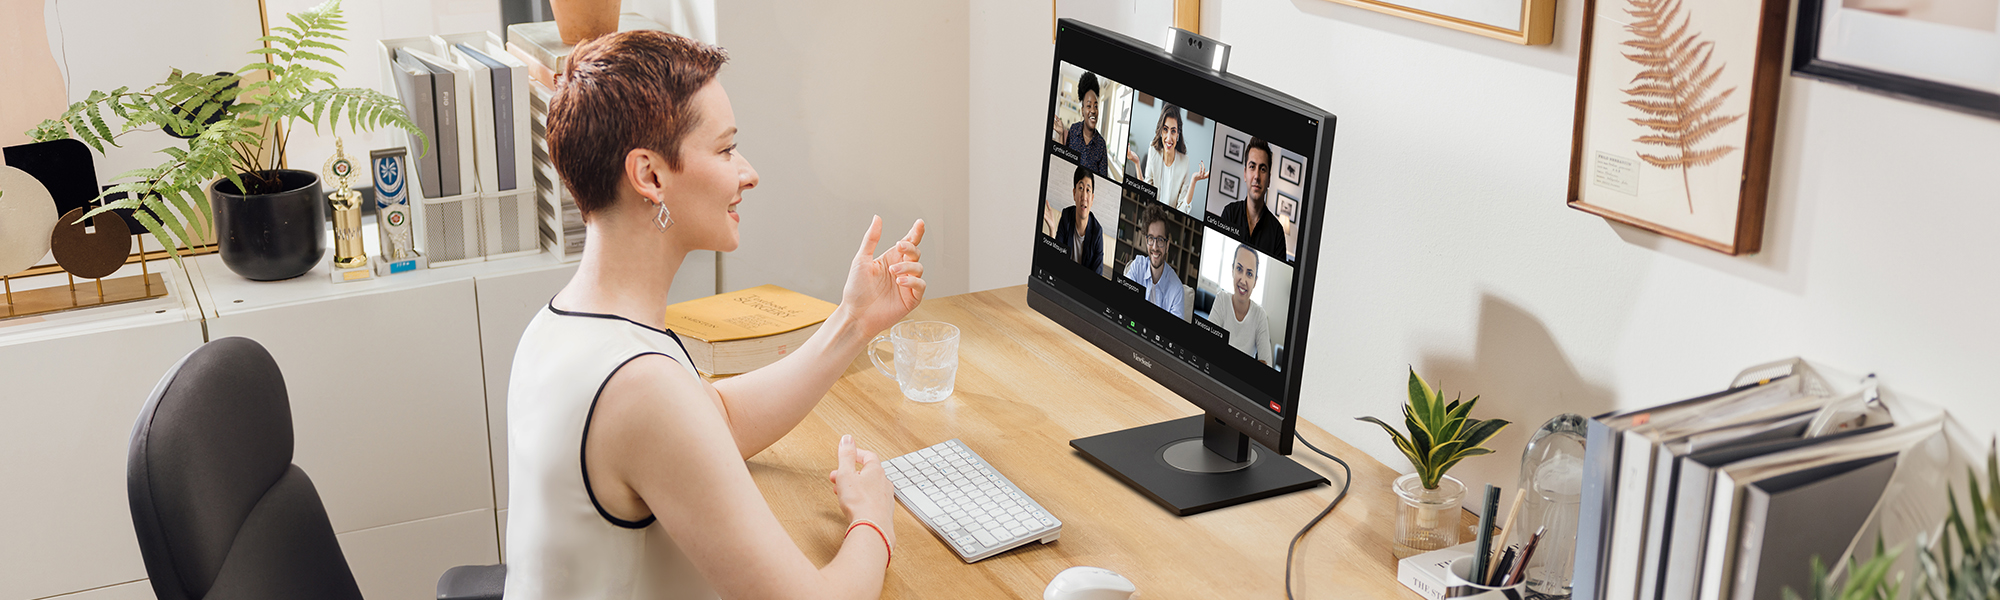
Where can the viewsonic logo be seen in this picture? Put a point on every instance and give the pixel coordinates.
(1142, 360)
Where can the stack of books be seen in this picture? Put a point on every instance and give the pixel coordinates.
(469, 96)
(540, 47)
(1730, 495)
(735, 333)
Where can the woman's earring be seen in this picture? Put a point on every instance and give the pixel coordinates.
(663, 219)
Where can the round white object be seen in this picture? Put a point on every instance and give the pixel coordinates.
(27, 215)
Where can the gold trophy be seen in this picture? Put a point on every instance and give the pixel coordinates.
(350, 258)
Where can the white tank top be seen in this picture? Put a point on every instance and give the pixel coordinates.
(561, 544)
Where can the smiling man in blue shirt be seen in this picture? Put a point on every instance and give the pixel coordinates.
(1163, 286)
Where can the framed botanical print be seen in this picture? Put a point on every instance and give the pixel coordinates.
(1676, 105)
(1944, 53)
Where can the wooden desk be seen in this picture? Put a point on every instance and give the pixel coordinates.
(1026, 387)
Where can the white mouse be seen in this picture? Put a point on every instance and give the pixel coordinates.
(1089, 583)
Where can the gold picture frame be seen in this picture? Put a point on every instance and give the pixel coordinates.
(1187, 15)
(1536, 27)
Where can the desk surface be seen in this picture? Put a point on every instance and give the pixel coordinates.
(1026, 387)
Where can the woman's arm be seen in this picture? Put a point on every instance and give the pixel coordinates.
(656, 445)
(764, 404)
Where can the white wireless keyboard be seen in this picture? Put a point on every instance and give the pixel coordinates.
(967, 503)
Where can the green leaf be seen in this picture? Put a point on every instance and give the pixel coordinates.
(1402, 443)
(1485, 430)
(1419, 439)
(1980, 523)
(159, 233)
(321, 45)
(303, 55)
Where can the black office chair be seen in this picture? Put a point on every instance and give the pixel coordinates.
(219, 509)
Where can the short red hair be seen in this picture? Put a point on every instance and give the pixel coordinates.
(620, 92)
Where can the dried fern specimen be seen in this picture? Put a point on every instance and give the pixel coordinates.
(1674, 89)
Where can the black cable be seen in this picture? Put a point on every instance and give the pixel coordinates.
(1344, 482)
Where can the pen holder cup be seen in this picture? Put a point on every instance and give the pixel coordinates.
(1458, 583)
(925, 363)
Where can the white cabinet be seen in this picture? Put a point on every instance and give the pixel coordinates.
(71, 385)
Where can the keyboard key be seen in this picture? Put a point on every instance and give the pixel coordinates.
(984, 537)
(921, 501)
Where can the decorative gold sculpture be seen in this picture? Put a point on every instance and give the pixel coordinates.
(348, 252)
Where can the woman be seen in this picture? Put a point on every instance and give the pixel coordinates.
(1165, 166)
(627, 474)
(1237, 314)
(1082, 136)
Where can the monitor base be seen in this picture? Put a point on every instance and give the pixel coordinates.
(1136, 456)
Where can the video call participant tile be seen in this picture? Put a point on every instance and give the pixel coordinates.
(1087, 234)
(1243, 295)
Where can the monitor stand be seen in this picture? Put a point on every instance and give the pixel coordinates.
(1178, 465)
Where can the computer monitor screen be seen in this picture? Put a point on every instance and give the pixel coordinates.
(1177, 224)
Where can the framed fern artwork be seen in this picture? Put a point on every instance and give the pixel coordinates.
(1676, 104)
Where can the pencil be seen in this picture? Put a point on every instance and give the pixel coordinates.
(1506, 529)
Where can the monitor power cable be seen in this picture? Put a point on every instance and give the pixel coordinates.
(1345, 481)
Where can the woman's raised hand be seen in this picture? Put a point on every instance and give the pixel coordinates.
(863, 488)
(882, 289)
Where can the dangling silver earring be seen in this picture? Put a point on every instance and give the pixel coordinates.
(663, 219)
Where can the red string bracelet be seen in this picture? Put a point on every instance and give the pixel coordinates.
(878, 531)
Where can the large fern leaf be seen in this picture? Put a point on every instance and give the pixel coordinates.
(1674, 90)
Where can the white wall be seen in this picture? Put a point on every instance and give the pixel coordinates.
(1447, 246)
(847, 110)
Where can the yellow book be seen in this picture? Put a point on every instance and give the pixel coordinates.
(734, 333)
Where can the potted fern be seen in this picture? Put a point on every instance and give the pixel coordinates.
(269, 221)
(1439, 435)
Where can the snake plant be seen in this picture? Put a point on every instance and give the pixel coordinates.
(1440, 433)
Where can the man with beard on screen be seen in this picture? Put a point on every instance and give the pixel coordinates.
(1163, 285)
(1250, 216)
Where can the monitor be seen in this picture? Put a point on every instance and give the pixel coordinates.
(1178, 231)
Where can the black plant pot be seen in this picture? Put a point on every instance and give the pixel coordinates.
(267, 237)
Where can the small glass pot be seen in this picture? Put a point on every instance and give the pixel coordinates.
(1427, 520)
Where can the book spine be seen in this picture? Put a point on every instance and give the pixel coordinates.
(1628, 531)
(447, 111)
(417, 93)
(1685, 548)
(503, 127)
(1721, 537)
(1600, 480)
(1665, 468)
(1750, 542)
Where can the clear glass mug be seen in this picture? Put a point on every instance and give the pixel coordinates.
(925, 364)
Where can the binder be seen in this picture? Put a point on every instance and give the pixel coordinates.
(453, 86)
(414, 87)
(494, 111)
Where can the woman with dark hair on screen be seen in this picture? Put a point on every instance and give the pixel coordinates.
(1083, 136)
(626, 470)
(1165, 166)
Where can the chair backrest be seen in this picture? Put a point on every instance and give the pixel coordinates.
(216, 502)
